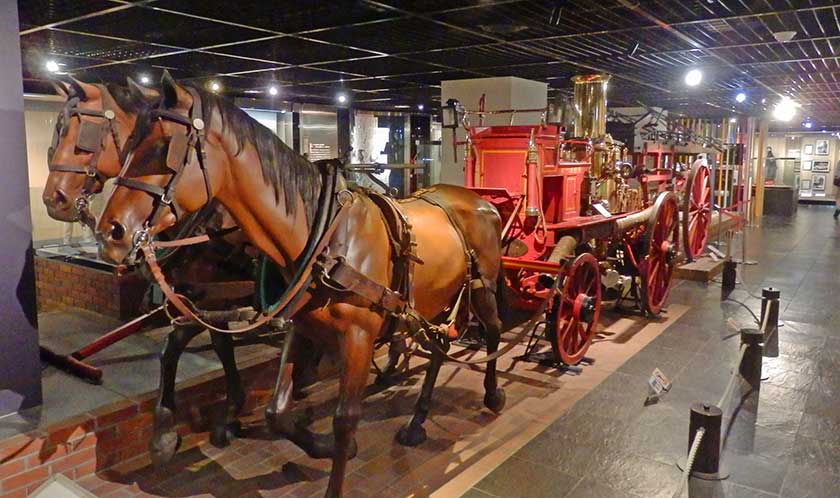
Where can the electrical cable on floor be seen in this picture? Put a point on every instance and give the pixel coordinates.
(689, 462)
(745, 307)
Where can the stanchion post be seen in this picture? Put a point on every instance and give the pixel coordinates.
(729, 278)
(770, 310)
(750, 367)
(707, 461)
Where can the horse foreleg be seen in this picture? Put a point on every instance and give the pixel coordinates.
(413, 433)
(486, 310)
(387, 377)
(165, 440)
(356, 354)
(229, 427)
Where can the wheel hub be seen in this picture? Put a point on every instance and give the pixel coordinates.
(669, 251)
(584, 308)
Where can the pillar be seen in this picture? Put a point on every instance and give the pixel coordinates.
(343, 116)
(758, 202)
(20, 366)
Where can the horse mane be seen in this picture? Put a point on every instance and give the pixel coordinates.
(282, 167)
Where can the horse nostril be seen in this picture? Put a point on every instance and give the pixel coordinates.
(117, 230)
(59, 197)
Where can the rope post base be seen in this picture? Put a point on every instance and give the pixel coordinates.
(706, 463)
(730, 277)
(751, 362)
(770, 309)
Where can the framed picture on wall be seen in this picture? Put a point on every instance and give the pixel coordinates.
(821, 148)
(797, 166)
(809, 150)
(806, 165)
(805, 185)
(821, 166)
(818, 183)
(804, 193)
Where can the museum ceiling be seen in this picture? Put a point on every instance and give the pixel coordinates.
(391, 54)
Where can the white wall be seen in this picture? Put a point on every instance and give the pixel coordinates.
(500, 93)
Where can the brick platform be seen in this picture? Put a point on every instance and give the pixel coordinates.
(113, 440)
(106, 452)
(62, 284)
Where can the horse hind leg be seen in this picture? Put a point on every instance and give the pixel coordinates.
(413, 433)
(165, 440)
(485, 307)
(228, 427)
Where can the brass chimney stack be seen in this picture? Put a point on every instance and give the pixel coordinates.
(591, 105)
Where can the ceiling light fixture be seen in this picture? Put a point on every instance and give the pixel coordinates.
(785, 109)
(693, 77)
(342, 98)
(784, 36)
(273, 91)
(740, 97)
(52, 66)
(808, 124)
(145, 80)
(733, 120)
(419, 107)
(215, 86)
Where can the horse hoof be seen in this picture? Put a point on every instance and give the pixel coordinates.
(163, 447)
(495, 401)
(410, 435)
(386, 380)
(223, 434)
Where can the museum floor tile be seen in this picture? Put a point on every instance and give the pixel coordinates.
(783, 441)
(587, 435)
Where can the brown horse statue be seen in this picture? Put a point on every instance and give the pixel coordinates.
(91, 131)
(197, 147)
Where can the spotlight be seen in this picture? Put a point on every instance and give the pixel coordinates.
(733, 120)
(785, 109)
(52, 66)
(419, 107)
(741, 97)
(145, 80)
(342, 98)
(808, 124)
(215, 86)
(693, 77)
(273, 91)
(763, 101)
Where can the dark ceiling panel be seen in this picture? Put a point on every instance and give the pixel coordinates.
(208, 64)
(293, 51)
(381, 66)
(161, 27)
(51, 42)
(286, 17)
(392, 52)
(34, 13)
(400, 35)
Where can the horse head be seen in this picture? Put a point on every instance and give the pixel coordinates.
(90, 132)
(173, 168)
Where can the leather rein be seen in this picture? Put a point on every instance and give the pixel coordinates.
(91, 139)
(330, 211)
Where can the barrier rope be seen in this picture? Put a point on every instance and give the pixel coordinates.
(689, 462)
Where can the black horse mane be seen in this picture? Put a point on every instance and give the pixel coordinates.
(282, 167)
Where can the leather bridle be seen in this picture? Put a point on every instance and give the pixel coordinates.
(91, 139)
(178, 155)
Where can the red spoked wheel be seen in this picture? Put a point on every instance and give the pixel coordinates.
(575, 311)
(697, 210)
(661, 243)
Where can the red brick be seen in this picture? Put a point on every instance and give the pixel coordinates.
(25, 479)
(112, 418)
(12, 467)
(19, 446)
(21, 493)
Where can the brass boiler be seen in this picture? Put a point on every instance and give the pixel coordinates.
(590, 103)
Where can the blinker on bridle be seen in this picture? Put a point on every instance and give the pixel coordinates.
(177, 159)
(91, 139)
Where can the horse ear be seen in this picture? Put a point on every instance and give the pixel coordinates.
(141, 92)
(85, 91)
(61, 88)
(174, 95)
